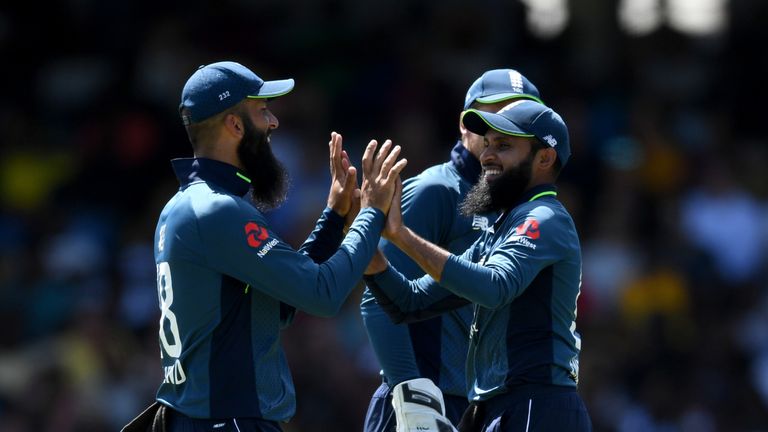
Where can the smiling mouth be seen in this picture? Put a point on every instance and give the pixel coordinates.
(491, 173)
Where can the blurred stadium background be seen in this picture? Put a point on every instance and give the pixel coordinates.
(665, 100)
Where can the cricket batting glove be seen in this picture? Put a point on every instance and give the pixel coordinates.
(419, 407)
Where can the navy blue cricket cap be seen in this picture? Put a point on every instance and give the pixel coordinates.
(499, 85)
(218, 86)
(524, 118)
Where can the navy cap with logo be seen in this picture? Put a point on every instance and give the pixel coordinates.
(499, 85)
(218, 86)
(525, 118)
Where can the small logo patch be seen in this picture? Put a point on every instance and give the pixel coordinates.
(529, 228)
(479, 222)
(550, 140)
(255, 234)
(516, 81)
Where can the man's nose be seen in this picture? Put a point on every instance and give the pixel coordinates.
(272, 121)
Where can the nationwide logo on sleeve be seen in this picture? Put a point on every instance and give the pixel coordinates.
(525, 232)
(257, 236)
(529, 228)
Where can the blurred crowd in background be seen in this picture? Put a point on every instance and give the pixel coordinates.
(668, 185)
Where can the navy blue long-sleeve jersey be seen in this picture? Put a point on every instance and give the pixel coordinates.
(435, 348)
(226, 286)
(523, 275)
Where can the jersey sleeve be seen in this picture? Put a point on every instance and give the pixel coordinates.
(322, 242)
(325, 239)
(239, 243)
(528, 248)
(391, 343)
(411, 300)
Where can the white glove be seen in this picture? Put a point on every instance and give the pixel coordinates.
(419, 407)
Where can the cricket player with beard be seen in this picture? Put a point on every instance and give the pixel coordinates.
(226, 282)
(432, 354)
(523, 277)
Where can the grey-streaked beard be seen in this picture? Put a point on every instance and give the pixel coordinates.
(269, 178)
(501, 194)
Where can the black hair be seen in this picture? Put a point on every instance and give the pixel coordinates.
(203, 132)
(536, 145)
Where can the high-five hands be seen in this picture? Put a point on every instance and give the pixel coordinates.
(344, 196)
(381, 172)
(395, 217)
(392, 228)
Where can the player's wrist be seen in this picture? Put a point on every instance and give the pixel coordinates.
(400, 236)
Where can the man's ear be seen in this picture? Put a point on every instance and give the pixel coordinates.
(462, 129)
(234, 125)
(546, 158)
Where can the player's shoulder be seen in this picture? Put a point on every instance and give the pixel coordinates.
(547, 211)
(434, 178)
(213, 205)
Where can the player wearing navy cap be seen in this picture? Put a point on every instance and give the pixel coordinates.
(226, 282)
(522, 275)
(433, 352)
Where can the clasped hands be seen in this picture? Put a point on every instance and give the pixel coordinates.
(381, 186)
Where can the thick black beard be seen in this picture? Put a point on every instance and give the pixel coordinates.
(502, 194)
(269, 178)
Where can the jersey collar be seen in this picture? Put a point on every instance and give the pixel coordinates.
(538, 191)
(224, 175)
(532, 194)
(466, 163)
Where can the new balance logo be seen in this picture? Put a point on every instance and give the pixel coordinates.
(550, 140)
(479, 222)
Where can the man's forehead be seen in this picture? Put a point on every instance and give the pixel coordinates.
(494, 135)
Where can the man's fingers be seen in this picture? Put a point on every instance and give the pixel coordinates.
(351, 182)
(333, 154)
(330, 156)
(345, 164)
(338, 153)
(397, 169)
(370, 151)
(380, 157)
(389, 161)
(398, 189)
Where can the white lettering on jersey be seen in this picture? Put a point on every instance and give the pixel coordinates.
(522, 240)
(161, 240)
(267, 247)
(174, 374)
